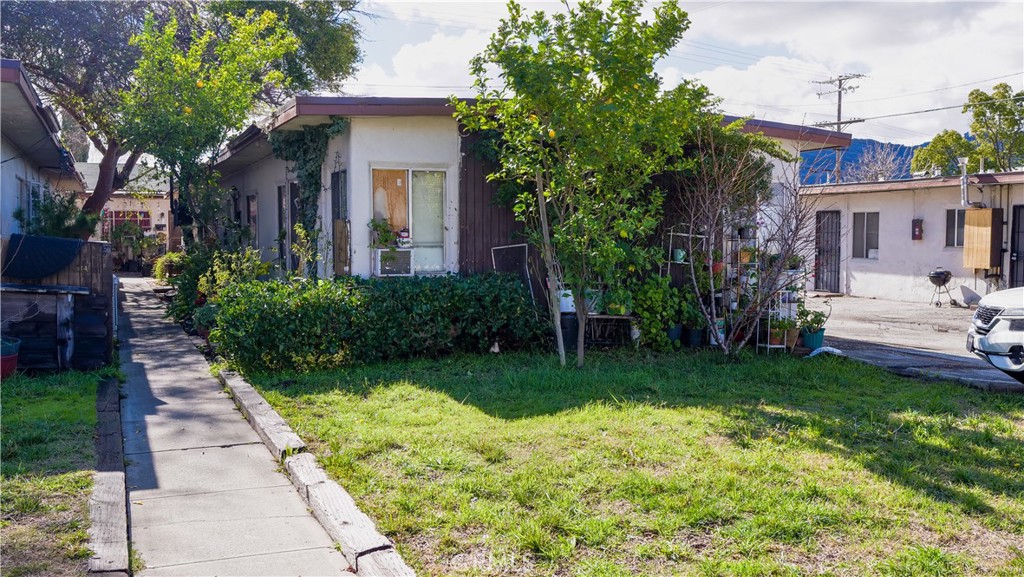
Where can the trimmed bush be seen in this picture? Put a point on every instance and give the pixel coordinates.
(311, 325)
(172, 261)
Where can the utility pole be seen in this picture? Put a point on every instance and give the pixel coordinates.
(840, 82)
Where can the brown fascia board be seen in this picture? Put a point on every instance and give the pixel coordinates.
(915, 184)
(349, 106)
(800, 134)
(12, 72)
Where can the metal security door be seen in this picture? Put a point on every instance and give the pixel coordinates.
(1017, 247)
(826, 251)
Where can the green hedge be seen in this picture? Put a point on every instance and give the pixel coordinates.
(311, 325)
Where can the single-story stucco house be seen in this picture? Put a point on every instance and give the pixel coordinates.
(881, 239)
(404, 159)
(34, 160)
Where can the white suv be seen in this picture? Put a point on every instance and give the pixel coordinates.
(997, 331)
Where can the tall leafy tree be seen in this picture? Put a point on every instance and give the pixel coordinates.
(997, 121)
(584, 123)
(185, 100)
(997, 135)
(943, 152)
(80, 57)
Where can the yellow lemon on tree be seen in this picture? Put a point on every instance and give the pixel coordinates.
(551, 133)
(188, 110)
(623, 234)
(199, 83)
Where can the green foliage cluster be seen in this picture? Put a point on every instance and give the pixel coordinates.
(812, 321)
(231, 268)
(997, 135)
(55, 213)
(197, 262)
(184, 101)
(657, 307)
(312, 325)
(307, 148)
(168, 264)
(205, 273)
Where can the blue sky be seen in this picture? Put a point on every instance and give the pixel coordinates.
(760, 57)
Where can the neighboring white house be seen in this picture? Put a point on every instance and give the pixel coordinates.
(145, 200)
(404, 159)
(32, 158)
(881, 239)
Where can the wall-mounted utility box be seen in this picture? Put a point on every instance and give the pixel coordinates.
(983, 237)
(917, 229)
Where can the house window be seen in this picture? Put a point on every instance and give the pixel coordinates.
(28, 195)
(251, 219)
(865, 235)
(339, 195)
(414, 199)
(955, 227)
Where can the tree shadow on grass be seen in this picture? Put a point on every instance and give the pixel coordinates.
(941, 440)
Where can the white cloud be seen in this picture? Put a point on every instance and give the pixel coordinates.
(913, 56)
(760, 57)
(437, 67)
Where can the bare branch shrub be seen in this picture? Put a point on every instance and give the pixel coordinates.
(880, 161)
(730, 186)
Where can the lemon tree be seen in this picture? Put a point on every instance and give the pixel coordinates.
(585, 124)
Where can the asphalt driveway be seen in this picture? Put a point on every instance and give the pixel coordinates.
(916, 339)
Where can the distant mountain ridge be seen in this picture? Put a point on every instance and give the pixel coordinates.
(819, 165)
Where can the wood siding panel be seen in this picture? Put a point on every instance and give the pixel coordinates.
(983, 238)
(482, 222)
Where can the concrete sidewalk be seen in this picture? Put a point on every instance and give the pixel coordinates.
(913, 339)
(206, 496)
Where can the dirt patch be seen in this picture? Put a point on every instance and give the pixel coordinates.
(989, 550)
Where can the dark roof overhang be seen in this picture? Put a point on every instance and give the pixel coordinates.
(33, 128)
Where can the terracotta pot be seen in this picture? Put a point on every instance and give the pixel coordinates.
(8, 364)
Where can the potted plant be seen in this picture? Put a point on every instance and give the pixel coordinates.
(9, 347)
(381, 234)
(747, 254)
(782, 330)
(694, 323)
(204, 318)
(812, 324)
(794, 262)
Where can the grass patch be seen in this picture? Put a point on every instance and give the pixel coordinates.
(48, 460)
(672, 464)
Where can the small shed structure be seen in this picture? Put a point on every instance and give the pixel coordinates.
(57, 297)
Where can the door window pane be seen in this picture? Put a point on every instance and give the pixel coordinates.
(427, 228)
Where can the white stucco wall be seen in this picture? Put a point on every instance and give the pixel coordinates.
(424, 143)
(15, 166)
(901, 270)
(262, 179)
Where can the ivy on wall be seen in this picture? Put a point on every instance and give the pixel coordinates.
(307, 148)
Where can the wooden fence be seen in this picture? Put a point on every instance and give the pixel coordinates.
(64, 320)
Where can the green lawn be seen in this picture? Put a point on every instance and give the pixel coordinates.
(48, 460)
(670, 465)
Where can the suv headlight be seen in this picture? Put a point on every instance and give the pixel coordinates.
(1015, 312)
